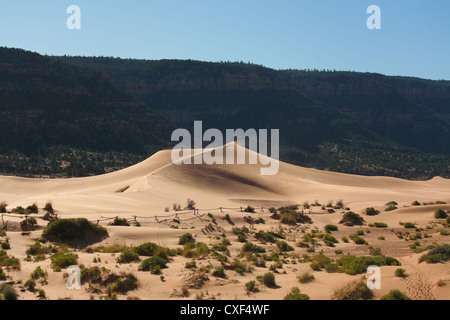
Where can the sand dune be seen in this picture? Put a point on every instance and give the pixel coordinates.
(157, 183)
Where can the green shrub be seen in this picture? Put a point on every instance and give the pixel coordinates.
(153, 264)
(284, 246)
(306, 277)
(331, 268)
(391, 208)
(409, 225)
(120, 222)
(191, 265)
(415, 203)
(330, 227)
(437, 254)
(356, 290)
(38, 273)
(185, 238)
(219, 272)
(395, 295)
(329, 240)
(380, 225)
(8, 292)
(440, 214)
(350, 219)
(265, 237)
(9, 262)
(352, 265)
(125, 283)
(401, 273)
(250, 247)
(150, 249)
(63, 230)
(28, 224)
(371, 211)
(6, 245)
(296, 295)
(128, 256)
(30, 284)
(249, 209)
(242, 238)
(268, 279)
(250, 286)
(3, 206)
(61, 260)
(392, 203)
(33, 208)
(359, 240)
(2, 274)
(49, 207)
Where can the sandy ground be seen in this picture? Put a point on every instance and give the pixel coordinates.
(156, 184)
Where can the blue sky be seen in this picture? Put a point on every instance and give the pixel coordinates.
(414, 39)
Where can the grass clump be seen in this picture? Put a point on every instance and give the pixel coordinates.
(120, 222)
(401, 273)
(380, 225)
(306, 278)
(409, 225)
(296, 295)
(330, 227)
(371, 211)
(250, 247)
(3, 206)
(284, 246)
(329, 240)
(219, 272)
(64, 230)
(356, 290)
(9, 262)
(62, 260)
(440, 214)
(8, 292)
(185, 238)
(268, 279)
(350, 219)
(353, 265)
(437, 254)
(128, 256)
(153, 264)
(395, 295)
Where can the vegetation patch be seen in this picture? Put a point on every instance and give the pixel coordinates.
(350, 219)
(66, 230)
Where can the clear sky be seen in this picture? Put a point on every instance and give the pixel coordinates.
(414, 39)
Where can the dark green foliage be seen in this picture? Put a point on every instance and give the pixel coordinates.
(437, 254)
(2, 274)
(356, 265)
(268, 279)
(440, 214)
(250, 286)
(61, 260)
(380, 225)
(3, 206)
(415, 203)
(120, 222)
(125, 283)
(372, 212)
(359, 240)
(265, 237)
(8, 292)
(8, 262)
(64, 230)
(250, 247)
(392, 203)
(395, 295)
(401, 273)
(409, 225)
(185, 238)
(284, 246)
(390, 208)
(329, 240)
(219, 272)
(296, 295)
(153, 264)
(28, 224)
(330, 227)
(356, 290)
(128, 256)
(350, 219)
(291, 217)
(249, 209)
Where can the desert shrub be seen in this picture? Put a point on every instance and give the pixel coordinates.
(296, 295)
(2, 274)
(392, 203)
(250, 247)
(350, 219)
(249, 209)
(371, 211)
(153, 264)
(8, 292)
(345, 239)
(401, 273)
(28, 224)
(190, 204)
(444, 232)
(331, 268)
(395, 295)
(49, 207)
(330, 227)
(284, 246)
(242, 238)
(33, 208)
(219, 272)
(339, 204)
(292, 217)
(306, 205)
(359, 240)
(61, 260)
(120, 222)
(63, 230)
(356, 290)
(125, 283)
(8, 262)
(268, 279)
(272, 210)
(440, 214)
(250, 286)
(329, 240)
(191, 265)
(305, 277)
(415, 203)
(409, 225)
(380, 225)
(146, 249)
(437, 255)
(3, 206)
(21, 210)
(38, 273)
(30, 284)
(128, 256)
(6, 245)
(391, 208)
(356, 265)
(265, 237)
(185, 238)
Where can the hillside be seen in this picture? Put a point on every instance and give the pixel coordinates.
(61, 119)
(339, 121)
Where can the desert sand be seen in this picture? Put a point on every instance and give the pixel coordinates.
(156, 184)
